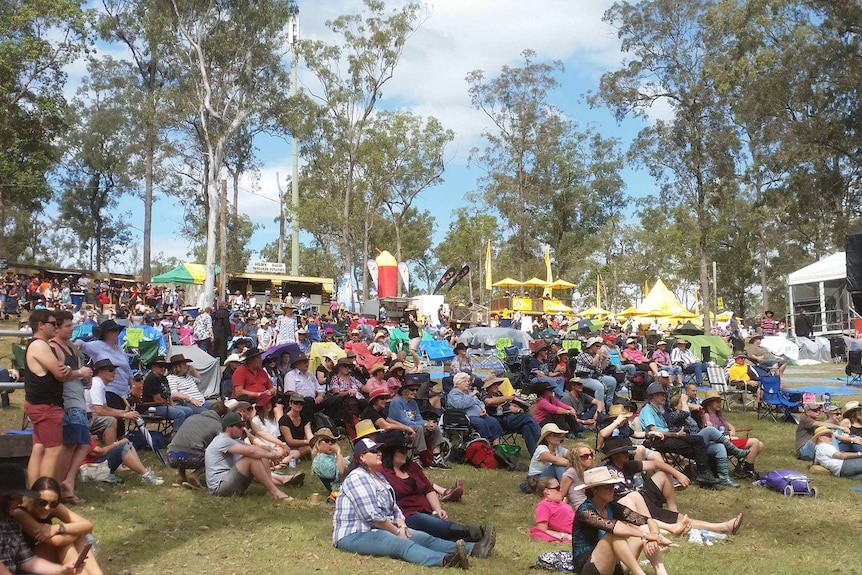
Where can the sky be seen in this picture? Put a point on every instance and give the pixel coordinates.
(455, 37)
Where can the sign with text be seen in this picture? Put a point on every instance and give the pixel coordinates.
(268, 268)
(522, 304)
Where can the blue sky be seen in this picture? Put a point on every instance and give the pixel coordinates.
(456, 36)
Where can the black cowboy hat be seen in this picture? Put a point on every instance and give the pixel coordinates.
(298, 358)
(251, 352)
(616, 445)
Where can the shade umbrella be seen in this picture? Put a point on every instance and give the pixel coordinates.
(560, 284)
(507, 282)
(593, 311)
(277, 351)
(149, 439)
(631, 311)
(535, 282)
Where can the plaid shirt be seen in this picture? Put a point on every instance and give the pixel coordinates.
(13, 548)
(584, 366)
(364, 497)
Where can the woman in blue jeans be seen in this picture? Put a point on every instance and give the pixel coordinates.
(419, 501)
(462, 397)
(368, 521)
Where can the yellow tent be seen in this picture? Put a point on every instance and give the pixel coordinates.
(660, 302)
(630, 311)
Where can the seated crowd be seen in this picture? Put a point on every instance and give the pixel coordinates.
(274, 410)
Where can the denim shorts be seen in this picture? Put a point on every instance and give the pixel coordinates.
(76, 428)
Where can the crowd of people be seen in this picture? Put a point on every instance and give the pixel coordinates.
(274, 411)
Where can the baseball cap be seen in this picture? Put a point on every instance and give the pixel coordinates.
(365, 445)
(230, 420)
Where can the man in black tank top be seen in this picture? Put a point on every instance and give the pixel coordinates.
(43, 397)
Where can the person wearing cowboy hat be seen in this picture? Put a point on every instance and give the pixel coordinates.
(713, 416)
(663, 440)
(414, 334)
(632, 355)
(512, 412)
(265, 334)
(405, 410)
(343, 402)
(549, 458)
(542, 372)
(845, 440)
(328, 463)
(376, 412)
(661, 358)
(300, 380)
(286, 325)
(231, 363)
(17, 556)
(251, 380)
(687, 361)
(156, 393)
(590, 366)
(839, 463)
(606, 534)
(395, 377)
(851, 417)
(184, 381)
(302, 340)
(107, 347)
(763, 359)
(379, 347)
(376, 380)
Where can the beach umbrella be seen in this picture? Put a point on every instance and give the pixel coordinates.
(535, 282)
(594, 311)
(561, 284)
(507, 282)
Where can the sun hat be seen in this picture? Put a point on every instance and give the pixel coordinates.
(103, 364)
(13, 481)
(593, 341)
(598, 476)
(251, 352)
(355, 331)
(344, 362)
(541, 387)
(654, 389)
(378, 393)
(380, 335)
(850, 406)
(232, 358)
(550, 429)
(299, 357)
(160, 360)
(739, 354)
(711, 395)
(662, 342)
(238, 406)
(179, 358)
(754, 338)
(820, 432)
(812, 405)
(377, 367)
(681, 340)
(230, 420)
(365, 427)
(615, 445)
(323, 433)
(330, 356)
(397, 365)
(492, 380)
(631, 340)
(664, 373)
(618, 409)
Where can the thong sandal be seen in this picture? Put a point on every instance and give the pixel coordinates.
(737, 523)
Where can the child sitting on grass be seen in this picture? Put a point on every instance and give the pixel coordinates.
(328, 464)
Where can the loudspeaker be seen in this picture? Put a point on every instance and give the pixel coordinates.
(856, 298)
(853, 251)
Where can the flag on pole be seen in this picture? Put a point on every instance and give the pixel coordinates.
(373, 271)
(488, 280)
(461, 273)
(444, 279)
(549, 275)
(404, 272)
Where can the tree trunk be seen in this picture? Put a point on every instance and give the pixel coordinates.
(214, 158)
(222, 285)
(148, 199)
(2, 219)
(345, 224)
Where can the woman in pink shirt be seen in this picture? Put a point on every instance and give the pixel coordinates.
(631, 354)
(549, 409)
(376, 380)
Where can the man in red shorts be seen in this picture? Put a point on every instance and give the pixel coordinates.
(43, 396)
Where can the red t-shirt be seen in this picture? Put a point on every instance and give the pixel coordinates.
(410, 493)
(256, 382)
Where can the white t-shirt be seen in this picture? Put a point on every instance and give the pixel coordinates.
(537, 467)
(823, 456)
(97, 393)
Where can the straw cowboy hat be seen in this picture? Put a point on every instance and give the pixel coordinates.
(598, 476)
(550, 429)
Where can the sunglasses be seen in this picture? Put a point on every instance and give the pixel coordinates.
(586, 456)
(54, 323)
(48, 504)
(374, 451)
(555, 488)
(324, 440)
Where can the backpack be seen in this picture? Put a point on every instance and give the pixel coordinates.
(555, 561)
(480, 454)
(789, 482)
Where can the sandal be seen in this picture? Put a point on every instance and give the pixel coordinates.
(737, 523)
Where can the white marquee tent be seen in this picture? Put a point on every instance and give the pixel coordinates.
(821, 289)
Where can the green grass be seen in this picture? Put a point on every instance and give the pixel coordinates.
(168, 530)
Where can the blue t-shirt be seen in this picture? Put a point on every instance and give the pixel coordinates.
(652, 418)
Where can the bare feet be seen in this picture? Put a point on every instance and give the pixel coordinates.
(280, 496)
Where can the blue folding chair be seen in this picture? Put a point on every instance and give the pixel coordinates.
(775, 402)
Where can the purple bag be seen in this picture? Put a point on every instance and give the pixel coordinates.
(789, 482)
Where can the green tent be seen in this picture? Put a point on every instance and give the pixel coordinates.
(184, 273)
(719, 350)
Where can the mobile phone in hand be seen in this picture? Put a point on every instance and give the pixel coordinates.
(79, 562)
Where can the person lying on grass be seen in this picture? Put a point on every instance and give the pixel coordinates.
(59, 542)
(839, 463)
(231, 464)
(657, 498)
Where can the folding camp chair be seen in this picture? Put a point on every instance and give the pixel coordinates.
(718, 380)
(774, 402)
(436, 350)
(853, 369)
(501, 345)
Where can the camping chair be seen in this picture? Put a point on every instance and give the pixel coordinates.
(313, 332)
(853, 369)
(163, 425)
(501, 345)
(718, 380)
(318, 349)
(774, 402)
(571, 344)
(436, 350)
(364, 357)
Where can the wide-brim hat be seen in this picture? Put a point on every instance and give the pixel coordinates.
(345, 362)
(631, 340)
(236, 405)
(377, 367)
(682, 340)
(103, 364)
(614, 445)
(232, 358)
(411, 307)
(380, 335)
(711, 395)
(618, 409)
(459, 346)
(409, 384)
(662, 342)
(397, 365)
(264, 321)
(378, 393)
(542, 347)
(820, 432)
(598, 476)
(754, 338)
(593, 341)
(13, 481)
(299, 357)
(655, 388)
(550, 429)
(365, 427)
(541, 387)
(251, 352)
(288, 305)
(323, 433)
(179, 358)
(850, 406)
(330, 356)
(492, 380)
(160, 360)
(108, 325)
(740, 354)
(302, 331)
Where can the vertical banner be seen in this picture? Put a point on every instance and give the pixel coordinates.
(599, 291)
(444, 279)
(488, 280)
(461, 274)
(549, 275)
(404, 272)
(373, 270)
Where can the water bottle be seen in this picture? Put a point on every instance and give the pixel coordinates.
(826, 398)
(704, 537)
(292, 463)
(716, 536)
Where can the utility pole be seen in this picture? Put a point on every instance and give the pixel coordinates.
(294, 182)
(280, 218)
(222, 217)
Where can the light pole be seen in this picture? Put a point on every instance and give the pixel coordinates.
(294, 183)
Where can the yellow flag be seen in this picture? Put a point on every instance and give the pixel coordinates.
(646, 288)
(599, 291)
(549, 275)
(488, 280)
